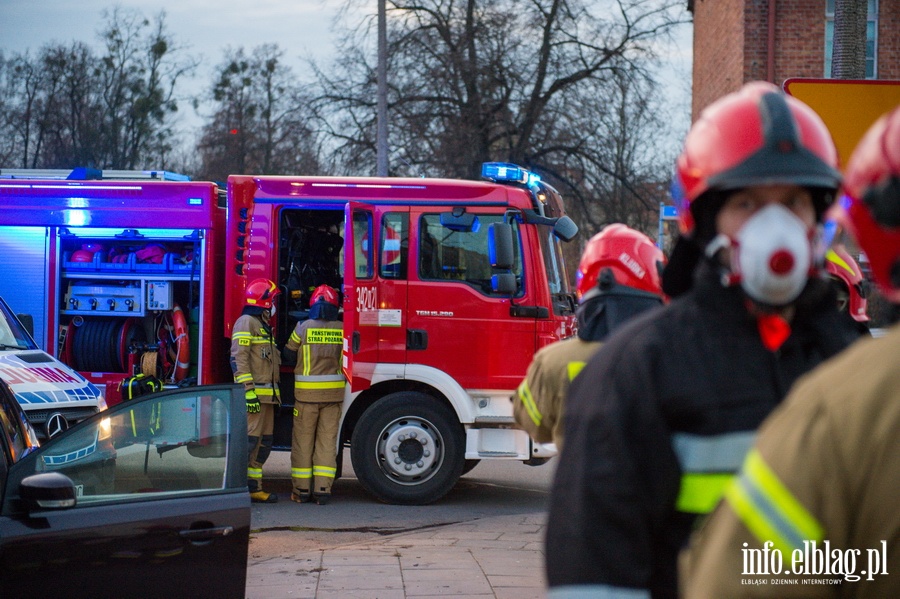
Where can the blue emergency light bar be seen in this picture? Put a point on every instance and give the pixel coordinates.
(504, 172)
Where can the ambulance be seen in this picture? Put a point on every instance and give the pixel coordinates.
(53, 395)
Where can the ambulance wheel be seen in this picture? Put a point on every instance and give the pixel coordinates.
(408, 449)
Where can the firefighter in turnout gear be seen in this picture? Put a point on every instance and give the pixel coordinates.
(822, 478)
(617, 278)
(319, 395)
(255, 362)
(668, 407)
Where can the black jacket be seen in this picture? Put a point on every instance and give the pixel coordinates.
(695, 370)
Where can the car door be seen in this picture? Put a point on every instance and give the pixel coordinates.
(146, 499)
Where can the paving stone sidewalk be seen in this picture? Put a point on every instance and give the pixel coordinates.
(501, 557)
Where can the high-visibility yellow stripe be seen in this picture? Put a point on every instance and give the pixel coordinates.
(295, 337)
(265, 391)
(700, 492)
(247, 336)
(254, 473)
(319, 385)
(528, 401)
(243, 378)
(301, 472)
(769, 510)
(832, 256)
(324, 471)
(337, 376)
(307, 360)
(574, 368)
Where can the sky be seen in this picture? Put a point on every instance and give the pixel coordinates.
(207, 27)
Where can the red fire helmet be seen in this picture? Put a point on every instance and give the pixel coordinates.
(324, 293)
(870, 208)
(633, 258)
(260, 293)
(840, 265)
(755, 136)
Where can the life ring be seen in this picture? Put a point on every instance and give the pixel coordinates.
(182, 344)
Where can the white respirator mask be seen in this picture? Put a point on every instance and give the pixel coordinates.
(771, 255)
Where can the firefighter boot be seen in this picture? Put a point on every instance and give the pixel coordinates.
(301, 497)
(263, 497)
(322, 498)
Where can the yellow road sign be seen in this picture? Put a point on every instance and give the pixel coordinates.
(848, 106)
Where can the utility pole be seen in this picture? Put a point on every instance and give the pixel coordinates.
(381, 134)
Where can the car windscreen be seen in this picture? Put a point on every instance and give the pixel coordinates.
(12, 333)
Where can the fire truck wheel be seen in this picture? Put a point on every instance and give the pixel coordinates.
(408, 449)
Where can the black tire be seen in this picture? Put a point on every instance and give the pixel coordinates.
(469, 465)
(408, 449)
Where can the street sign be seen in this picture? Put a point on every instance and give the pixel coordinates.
(848, 106)
(666, 212)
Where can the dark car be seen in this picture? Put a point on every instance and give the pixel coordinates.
(146, 499)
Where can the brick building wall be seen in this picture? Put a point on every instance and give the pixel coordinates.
(718, 63)
(731, 44)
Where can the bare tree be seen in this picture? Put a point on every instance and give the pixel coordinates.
(848, 57)
(259, 123)
(68, 107)
(527, 82)
(138, 82)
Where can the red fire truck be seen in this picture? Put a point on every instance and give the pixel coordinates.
(449, 287)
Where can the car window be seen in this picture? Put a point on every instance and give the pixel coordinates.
(170, 444)
(20, 439)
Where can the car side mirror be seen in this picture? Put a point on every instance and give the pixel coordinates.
(48, 490)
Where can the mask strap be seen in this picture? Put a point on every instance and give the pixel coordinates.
(719, 242)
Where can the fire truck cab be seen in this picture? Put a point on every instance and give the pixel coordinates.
(448, 288)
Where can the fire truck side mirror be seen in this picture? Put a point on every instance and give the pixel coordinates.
(504, 283)
(500, 246)
(565, 228)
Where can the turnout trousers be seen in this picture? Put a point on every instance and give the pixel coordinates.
(314, 446)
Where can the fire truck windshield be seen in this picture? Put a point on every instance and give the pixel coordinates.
(557, 277)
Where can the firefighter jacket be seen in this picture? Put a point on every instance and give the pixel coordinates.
(820, 485)
(667, 410)
(317, 376)
(538, 402)
(255, 360)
